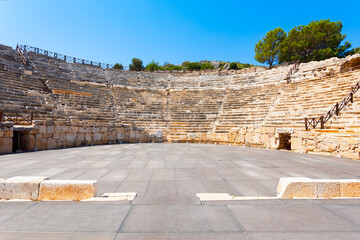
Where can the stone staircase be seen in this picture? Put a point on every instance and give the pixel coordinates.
(192, 111)
(143, 108)
(22, 94)
(311, 98)
(246, 107)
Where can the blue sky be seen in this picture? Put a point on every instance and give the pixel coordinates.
(162, 30)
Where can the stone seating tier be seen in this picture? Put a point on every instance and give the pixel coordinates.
(177, 104)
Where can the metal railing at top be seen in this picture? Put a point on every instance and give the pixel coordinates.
(26, 48)
(335, 110)
(18, 49)
(292, 70)
(17, 118)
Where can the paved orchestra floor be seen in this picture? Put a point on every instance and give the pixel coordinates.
(166, 178)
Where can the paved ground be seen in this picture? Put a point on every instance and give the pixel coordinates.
(166, 178)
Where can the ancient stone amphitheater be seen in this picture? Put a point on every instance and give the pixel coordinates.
(49, 103)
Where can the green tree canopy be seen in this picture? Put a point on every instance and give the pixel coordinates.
(206, 65)
(118, 66)
(233, 66)
(137, 65)
(354, 51)
(152, 66)
(267, 50)
(316, 41)
(193, 66)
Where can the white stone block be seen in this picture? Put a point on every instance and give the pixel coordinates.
(73, 190)
(328, 188)
(21, 187)
(120, 196)
(214, 196)
(290, 188)
(285, 181)
(349, 188)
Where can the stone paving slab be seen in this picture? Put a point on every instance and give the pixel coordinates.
(67, 217)
(290, 218)
(304, 235)
(179, 219)
(189, 236)
(55, 236)
(166, 178)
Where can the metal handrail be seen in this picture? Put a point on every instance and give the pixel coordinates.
(17, 118)
(63, 57)
(335, 110)
(292, 70)
(19, 50)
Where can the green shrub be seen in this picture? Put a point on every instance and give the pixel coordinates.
(118, 66)
(152, 66)
(185, 64)
(207, 65)
(137, 65)
(233, 66)
(194, 66)
(173, 68)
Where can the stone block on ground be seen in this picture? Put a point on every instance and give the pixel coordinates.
(328, 188)
(350, 188)
(289, 188)
(297, 188)
(21, 187)
(72, 190)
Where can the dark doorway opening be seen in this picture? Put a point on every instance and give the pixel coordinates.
(21, 141)
(285, 141)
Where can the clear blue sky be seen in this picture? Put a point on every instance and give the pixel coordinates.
(162, 30)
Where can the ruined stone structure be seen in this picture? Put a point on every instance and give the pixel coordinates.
(75, 105)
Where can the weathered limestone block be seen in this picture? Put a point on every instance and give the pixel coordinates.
(73, 129)
(88, 137)
(73, 190)
(21, 187)
(232, 134)
(112, 135)
(296, 143)
(211, 136)
(302, 134)
(51, 143)
(328, 188)
(40, 143)
(80, 137)
(9, 133)
(98, 136)
(42, 129)
(274, 142)
(6, 145)
(95, 130)
(105, 137)
(351, 155)
(344, 146)
(50, 129)
(270, 130)
(290, 188)
(70, 137)
(350, 188)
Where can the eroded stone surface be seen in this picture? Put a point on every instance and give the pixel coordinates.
(73, 190)
(350, 188)
(21, 187)
(289, 188)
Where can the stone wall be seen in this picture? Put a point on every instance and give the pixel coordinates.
(78, 105)
(6, 135)
(56, 134)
